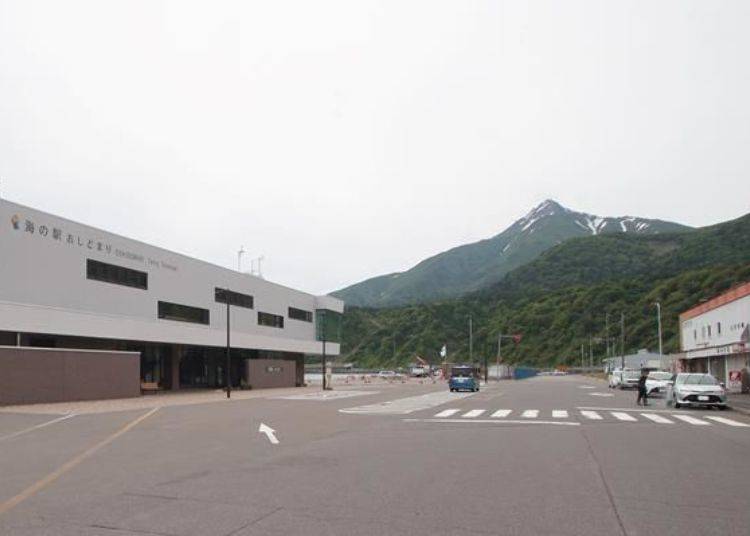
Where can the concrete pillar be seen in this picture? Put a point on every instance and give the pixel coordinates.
(175, 367)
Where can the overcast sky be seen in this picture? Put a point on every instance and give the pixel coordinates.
(347, 139)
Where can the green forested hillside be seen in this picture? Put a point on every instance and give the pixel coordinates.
(473, 267)
(561, 298)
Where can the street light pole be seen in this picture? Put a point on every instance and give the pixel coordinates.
(622, 341)
(229, 359)
(658, 321)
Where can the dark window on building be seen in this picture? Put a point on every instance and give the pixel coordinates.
(118, 275)
(709, 331)
(718, 328)
(183, 313)
(300, 314)
(235, 298)
(268, 319)
(695, 334)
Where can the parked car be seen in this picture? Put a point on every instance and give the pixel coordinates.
(615, 378)
(463, 379)
(695, 389)
(387, 374)
(658, 382)
(629, 379)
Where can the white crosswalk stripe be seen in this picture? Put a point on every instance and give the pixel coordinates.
(729, 422)
(657, 418)
(691, 420)
(501, 413)
(447, 413)
(601, 414)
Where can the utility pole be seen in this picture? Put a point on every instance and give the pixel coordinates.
(591, 354)
(497, 361)
(606, 331)
(622, 340)
(581, 357)
(471, 342)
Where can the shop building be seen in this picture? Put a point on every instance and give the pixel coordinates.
(71, 286)
(714, 337)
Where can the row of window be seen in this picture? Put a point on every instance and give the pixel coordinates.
(706, 330)
(119, 275)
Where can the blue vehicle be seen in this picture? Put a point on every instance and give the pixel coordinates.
(463, 378)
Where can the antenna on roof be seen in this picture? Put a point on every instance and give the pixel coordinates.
(239, 258)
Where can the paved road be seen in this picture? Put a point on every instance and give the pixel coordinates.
(555, 455)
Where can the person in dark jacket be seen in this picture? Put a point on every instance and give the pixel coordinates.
(642, 394)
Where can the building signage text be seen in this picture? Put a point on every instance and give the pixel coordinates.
(59, 235)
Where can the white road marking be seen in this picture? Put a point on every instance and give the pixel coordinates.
(560, 413)
(726, 421)
(593, 415)
(404, 406)
(495, 421)
(473, 413)
(530, 414)
(601, 394)
(601, 408)
(691, 420)
(657, 418)
(325, 395)
(623, 416)
(586, 387)
(270, 433)
(37, 427)
(501, 413)
(447, 413)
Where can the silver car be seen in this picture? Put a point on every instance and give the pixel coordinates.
(694, 389)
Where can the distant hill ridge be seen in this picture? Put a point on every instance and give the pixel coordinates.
(478, 265)
(564, 297)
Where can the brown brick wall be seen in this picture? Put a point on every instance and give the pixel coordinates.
(259, 377)
(38, 375)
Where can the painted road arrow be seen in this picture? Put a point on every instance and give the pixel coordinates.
(270, 433)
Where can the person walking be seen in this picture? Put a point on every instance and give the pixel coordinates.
(642, 394)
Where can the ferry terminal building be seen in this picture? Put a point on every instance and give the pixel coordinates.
(65, 286)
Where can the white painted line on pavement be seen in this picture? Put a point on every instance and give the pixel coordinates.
(325, 395)
(501, 413)
(37, 427)
(530, 414)
(404, 406)
(730, 422)
(586, 387)
(593, 415)
(447, 413)
(692, 420)
(601, 394)
(602, 408)
(623, 416)
(473, 413)
(496, 421)
(560, 413)
(657, 418)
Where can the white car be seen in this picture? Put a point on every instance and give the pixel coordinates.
(615, 378)
(387, 374)
(658, 382)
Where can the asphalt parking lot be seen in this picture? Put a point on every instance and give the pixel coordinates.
(555, 455)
